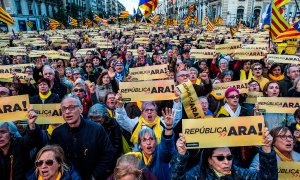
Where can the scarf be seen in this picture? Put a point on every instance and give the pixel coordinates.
(120, 77)
(274, 78)
(196, 81)
(147, 161)
(44, 97)
(217, 97)
(243, 75)
(155, 125)
(111, 112)
(218, 174)
(283, 157)
(57, 177)
(233, 114)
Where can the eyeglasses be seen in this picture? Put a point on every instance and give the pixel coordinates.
(149, 110)
(234, 97)
(222, 158)
(257, 69)
(70, 108)
(48, 162)
(88, 66)
(3, 93)
(80, 90)
(252, 85)
(284, 137)
(184, 75)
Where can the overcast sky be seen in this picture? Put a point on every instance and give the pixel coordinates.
(130, 4)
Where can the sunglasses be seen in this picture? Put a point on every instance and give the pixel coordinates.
(80, 90)
(222, 158)
(234, 97)
(257, 69)
(48, 162)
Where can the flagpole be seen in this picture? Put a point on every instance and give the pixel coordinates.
(297, 8)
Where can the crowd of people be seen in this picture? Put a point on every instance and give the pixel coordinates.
(105, 138)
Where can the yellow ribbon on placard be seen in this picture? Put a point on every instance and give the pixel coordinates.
(190, 101)
(288, 170)
(147, 90)
(223, 132)
(149, 72)
(48, 113)
(14, 108)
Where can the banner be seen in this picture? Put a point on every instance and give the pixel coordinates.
(223, 132)
(149, 72)
(18, 68)
(248, 54)
(288, 170)
(263, 46)
(147, 90)
(288, 59)
(202, 53)
(242, 86)
(15, 51)
(228, 48)
(278, 104)
(252, 97)
(48, 113)
(190, 101)
(14, 108)
(7, 77)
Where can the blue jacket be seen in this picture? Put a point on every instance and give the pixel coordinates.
(68, 175)
(161, 158)
(268, 169)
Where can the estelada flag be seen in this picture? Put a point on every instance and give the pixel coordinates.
(5, 17)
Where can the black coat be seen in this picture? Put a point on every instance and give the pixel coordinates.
(285, 85)
(87, 147)
(19, 155)
(52, 99)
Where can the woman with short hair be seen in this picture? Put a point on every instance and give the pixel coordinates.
(51, 164)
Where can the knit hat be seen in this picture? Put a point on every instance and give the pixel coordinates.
(119, 62)
(229, 90)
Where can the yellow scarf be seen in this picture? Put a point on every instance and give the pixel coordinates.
(136, 154)
(147, 161)
(197, 81)
(217, 97)
(274, 78)
(220, 174)
(42, 96)
(155, 125)
(281, 156)
(243, 75)
(222, 111)
(57, 177)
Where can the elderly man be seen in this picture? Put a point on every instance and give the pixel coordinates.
(85, 143)
(291, 73)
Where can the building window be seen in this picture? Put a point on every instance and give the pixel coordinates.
(19, 9)
(30, 8)
(240, 14)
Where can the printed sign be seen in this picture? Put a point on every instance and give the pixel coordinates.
(149, 72)
(288, 170)
(220, 88)
(14, 108)
(278, 104)
(48, 113)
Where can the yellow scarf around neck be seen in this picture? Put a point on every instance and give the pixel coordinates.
(42, 96)
(283, 157)
(196, 81)
(243, 75)
(57, 177)
(220, 174)
(217, 97)
(155, 125)
(147, 161)
(274, 78)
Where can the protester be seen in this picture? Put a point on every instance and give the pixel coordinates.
(45, 95)
(51, 164)
(291, 73)
(92, 157)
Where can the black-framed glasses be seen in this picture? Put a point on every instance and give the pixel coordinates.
(48, 162)
(284, 137)
(234, 97)
(80, 90)
(257, 69)
(222, 158)
(70, 108)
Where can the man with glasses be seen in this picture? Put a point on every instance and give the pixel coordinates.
(257, 70)
(85, 143)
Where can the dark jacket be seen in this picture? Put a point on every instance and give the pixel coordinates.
(68, 175)
(19, 155)
(52, 99)
(293, 93)
(285, 85)
(161, 158)
(268, 169)
(87, 147)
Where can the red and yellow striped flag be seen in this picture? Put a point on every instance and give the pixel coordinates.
(5, 17)
(210, 26)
